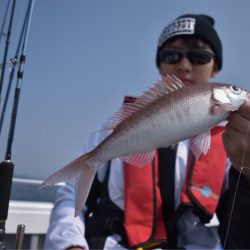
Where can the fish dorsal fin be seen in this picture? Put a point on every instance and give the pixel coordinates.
(167, 85)
(139, 160)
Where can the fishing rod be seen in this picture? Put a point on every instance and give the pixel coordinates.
(7, 42)
(7, 166)
(18, 86)
(14, 62)
(4, 20)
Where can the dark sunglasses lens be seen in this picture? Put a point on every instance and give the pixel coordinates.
(170, 56)
(199, 56)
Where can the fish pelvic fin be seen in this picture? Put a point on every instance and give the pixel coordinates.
(165, 86)
(139, 160)
(201, 144)
(82, 172)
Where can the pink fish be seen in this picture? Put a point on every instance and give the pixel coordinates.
(167, 113)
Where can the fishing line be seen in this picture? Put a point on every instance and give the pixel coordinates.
(236, 188)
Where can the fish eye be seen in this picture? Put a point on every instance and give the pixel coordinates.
(236, 90)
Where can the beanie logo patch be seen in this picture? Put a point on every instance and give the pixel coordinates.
(182, 26)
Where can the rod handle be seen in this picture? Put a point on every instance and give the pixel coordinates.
(6, 173)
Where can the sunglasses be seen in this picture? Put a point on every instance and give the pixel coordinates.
(195, 56)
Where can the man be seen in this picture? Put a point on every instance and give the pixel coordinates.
(157, 206)
(236, 139)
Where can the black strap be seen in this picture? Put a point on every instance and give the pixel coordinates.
(95, 193)
(167, 158)
(103, 217)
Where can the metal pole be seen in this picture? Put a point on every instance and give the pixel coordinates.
(20, 237)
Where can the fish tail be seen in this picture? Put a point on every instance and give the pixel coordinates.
(80, 170)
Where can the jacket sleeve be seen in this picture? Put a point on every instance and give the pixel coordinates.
(65, 230)
(235, 213)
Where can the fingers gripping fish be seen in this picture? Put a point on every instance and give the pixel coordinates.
(167, 113)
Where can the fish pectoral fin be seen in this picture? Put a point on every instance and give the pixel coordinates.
(201, 144)
(218, 110)
(139, 160)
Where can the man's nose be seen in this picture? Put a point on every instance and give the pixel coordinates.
(184, 64)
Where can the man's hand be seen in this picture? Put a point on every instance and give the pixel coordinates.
(236, 139)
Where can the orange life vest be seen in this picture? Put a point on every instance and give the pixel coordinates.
(141, 197)
(204, 178)
(139, 204)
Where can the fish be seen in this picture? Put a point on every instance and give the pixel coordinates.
(165, 114)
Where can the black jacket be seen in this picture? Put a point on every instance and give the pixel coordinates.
(234, 213)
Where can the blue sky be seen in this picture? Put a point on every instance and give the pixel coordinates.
(83, 56)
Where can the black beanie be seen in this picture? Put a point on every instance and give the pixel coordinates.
(192, 24)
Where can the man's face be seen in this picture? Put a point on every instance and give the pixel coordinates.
(187, 71)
